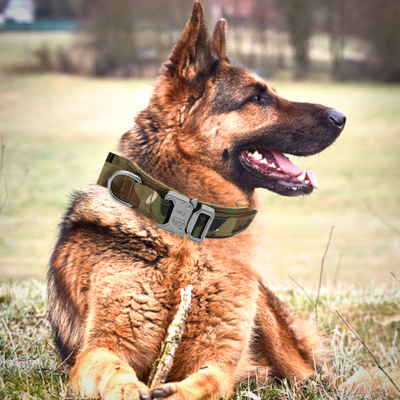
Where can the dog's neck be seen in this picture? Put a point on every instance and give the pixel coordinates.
(154, 149)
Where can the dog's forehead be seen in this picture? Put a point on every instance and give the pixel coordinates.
(240, 77)
(233, 86)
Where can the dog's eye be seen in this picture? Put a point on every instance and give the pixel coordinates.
(259, 98)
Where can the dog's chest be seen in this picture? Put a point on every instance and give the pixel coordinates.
(146, 300)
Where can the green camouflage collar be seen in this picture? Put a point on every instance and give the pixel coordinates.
(170, 210)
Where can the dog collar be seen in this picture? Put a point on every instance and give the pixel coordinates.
(172, 211)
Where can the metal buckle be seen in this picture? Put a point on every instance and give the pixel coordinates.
(182, 220)
(193, 219)
(110, 181)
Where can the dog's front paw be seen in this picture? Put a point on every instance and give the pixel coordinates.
(124, 388)
(167, 391)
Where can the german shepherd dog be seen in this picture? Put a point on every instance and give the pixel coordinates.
(215, 132)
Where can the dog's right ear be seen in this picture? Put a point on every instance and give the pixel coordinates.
(191, 55)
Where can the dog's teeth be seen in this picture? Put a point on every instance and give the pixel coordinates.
(302, 176)
(278, 169)
(264, 161)
(272, 165)
(307, 181)
(257, 155)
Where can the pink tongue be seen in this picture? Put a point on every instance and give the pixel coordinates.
(286, 165)
(289, 168)
(313, 179)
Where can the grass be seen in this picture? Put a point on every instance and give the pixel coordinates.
(30, 369)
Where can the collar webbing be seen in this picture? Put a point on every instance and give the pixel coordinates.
(174, 211)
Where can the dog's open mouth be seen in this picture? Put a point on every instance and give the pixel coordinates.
(273, 165)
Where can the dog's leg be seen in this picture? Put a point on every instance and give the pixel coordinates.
(282, 342)
(100, 373)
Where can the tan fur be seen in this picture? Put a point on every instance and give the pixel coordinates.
(115, 279)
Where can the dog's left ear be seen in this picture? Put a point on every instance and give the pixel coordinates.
(192, 54)
(219, 39)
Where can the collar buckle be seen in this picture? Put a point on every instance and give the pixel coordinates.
(183, 220)
(111, 180)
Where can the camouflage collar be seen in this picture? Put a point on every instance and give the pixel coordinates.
(170, 210)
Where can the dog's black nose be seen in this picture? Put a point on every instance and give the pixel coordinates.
(337, 118)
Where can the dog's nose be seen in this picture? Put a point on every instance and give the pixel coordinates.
(337, 118)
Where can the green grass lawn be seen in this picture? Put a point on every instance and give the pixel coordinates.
(61, 128)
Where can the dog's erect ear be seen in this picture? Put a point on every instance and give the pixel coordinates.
(192, 54)
(219, 39)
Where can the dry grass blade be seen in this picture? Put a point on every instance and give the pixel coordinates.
(3, 201)
(304, 290)
(395, 277)
(61, 364)
(381, 218)
(315, 305)
(368, 349)
(320, 275)
(339, 264)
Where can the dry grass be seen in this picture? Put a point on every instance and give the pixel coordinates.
(28, 359)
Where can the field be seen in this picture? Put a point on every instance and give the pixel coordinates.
(29, 368)
(20, 48)
(60, 129)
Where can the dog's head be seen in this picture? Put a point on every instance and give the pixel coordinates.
(232, 121)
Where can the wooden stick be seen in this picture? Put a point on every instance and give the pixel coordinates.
(163, 364)
(369, 351)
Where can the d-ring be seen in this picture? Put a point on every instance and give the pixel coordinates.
(110, 181)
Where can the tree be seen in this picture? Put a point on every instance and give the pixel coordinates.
(336, 21)
(385, 38)
(297, 14)
(110, 27)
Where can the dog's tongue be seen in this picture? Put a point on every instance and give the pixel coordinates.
(312, 178)
(289, 168)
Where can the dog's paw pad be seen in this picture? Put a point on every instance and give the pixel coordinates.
(163, 392)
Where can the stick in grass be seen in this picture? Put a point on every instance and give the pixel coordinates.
(367, 348)
(163, 365)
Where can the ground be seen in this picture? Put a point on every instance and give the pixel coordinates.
(29, 368)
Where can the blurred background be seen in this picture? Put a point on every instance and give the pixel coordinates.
(74, 73)
(340, 39)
